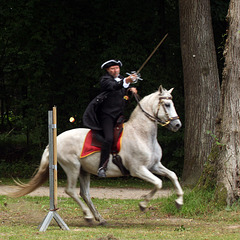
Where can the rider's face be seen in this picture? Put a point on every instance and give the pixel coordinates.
(114, 71)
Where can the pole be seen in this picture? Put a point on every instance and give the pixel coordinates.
(55, 154)
(52, 137)
(51, 156)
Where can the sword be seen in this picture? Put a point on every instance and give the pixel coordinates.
(146, 61)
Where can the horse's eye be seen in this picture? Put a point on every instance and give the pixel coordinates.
(167, 105)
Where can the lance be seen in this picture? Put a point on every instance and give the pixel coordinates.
(146, 61)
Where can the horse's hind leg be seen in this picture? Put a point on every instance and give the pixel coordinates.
(159, 169)
(72, 178)
(84, 178)
(146, 175)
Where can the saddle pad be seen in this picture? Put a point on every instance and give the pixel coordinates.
(88, 149)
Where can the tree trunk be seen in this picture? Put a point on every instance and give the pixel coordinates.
(228, 129)
(201, 84)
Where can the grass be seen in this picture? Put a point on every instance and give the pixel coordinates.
(198, 219)
(195, 204)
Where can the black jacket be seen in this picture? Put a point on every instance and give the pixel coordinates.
(110, 101)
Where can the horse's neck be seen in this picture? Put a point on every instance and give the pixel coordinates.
(141, 123)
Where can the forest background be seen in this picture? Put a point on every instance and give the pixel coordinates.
(51, 53)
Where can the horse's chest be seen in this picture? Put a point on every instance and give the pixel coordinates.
(150, 152)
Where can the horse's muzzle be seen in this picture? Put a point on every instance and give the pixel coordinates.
(174, 125)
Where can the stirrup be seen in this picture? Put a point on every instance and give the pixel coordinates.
(101, 172)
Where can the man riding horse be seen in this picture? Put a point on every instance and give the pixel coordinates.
(104, 110)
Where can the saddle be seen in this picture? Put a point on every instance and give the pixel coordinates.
(97, 137)
(94, 139)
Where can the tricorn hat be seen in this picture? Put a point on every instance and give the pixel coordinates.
(110, 63)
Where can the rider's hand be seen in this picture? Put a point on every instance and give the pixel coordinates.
(133, 90)
(131, 78)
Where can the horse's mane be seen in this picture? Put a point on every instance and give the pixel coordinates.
(144, 101)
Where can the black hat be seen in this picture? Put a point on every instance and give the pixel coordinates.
(110, 63)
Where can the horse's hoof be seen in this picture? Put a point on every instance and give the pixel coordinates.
(89, 220)
(142, 207)
(103, 223)
(178, 205)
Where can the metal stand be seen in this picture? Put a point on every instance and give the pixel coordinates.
(52, 135)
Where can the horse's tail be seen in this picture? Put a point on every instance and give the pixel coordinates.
(37, 180)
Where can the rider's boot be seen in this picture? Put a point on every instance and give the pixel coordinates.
(105, 151)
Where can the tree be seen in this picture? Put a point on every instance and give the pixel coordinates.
(228, 127)
(201, 84)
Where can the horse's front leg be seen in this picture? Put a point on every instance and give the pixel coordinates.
(84, 178)
(143, 173)
(159, 169)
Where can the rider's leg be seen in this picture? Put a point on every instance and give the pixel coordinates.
(105, 151)
(107, 124)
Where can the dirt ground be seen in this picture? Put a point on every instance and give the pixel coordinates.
(113, 193)
(17, 220)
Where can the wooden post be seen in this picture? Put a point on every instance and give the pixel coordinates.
(52, 133)
(55, 155)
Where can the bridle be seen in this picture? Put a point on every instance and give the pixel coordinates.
(155, 118)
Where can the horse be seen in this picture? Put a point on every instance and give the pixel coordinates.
(140, 153)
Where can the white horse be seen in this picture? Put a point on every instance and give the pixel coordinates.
(140, 152)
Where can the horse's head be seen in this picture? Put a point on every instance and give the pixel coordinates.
(165, 111)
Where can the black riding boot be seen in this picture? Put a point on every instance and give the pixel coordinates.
(105, 151)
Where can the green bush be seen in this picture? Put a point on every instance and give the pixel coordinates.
(17, 158)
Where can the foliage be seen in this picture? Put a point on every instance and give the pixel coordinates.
(219, 13)
(19, 162)
(217, 142)
(51, 52)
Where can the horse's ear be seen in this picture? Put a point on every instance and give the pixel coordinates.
(160, 89)
(170, 91)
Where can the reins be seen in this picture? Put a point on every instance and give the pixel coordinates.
(155, 118)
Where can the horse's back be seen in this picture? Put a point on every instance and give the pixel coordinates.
(71, 141)
(74, 132)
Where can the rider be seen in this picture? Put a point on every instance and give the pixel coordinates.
(103, 112)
